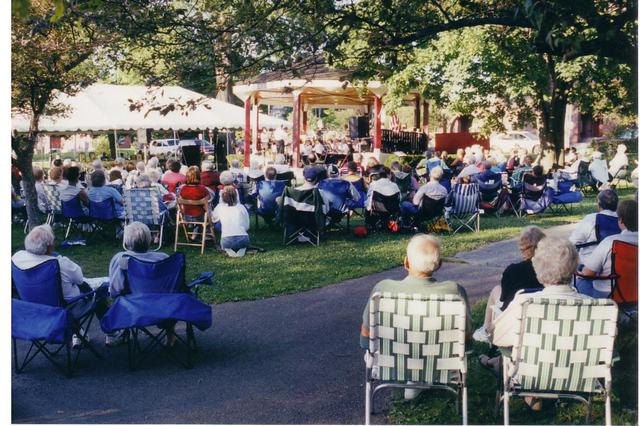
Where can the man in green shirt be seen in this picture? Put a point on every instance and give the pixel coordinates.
(421, 261)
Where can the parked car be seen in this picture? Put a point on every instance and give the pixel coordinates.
(163, 146)
(205, 146)
(515, 139)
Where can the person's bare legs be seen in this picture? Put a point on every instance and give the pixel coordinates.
(494, 297)
(482, 334)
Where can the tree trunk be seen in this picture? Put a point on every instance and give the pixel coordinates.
(553, 112)
(24, 148)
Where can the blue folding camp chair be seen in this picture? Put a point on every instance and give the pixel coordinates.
(267, 195)
(362, 201)
(564, 196)
(156, 295)
(103, 213)
(303, 215)
(74, 213)
(337, 192)
(534, 199)
(143, 205)
(463, 210)
(605, 226)
(42, 317)
(383, 209)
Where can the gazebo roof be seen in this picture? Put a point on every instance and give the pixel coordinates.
(315, 82)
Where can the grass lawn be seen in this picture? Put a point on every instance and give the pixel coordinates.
(438, 407)
(282, 270)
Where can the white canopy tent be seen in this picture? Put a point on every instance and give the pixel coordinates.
(106, 107)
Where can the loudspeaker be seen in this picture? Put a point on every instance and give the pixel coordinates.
(191, 155)
(358, 127)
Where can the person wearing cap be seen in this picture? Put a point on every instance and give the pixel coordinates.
(312, 175)
(598, 168)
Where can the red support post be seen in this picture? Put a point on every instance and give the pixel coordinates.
(416, 113)
(304, 122)
(247, 131)
(425, 117)
(296, 129)
(257, 128)
(377, 124)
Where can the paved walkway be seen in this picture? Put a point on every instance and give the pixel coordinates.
(288, 360)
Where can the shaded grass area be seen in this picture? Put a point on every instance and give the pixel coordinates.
(283, 270)
(438, 407)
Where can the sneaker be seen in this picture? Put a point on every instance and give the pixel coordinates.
(410, 394)
(76, 343)
(115, 339)
(481, 335)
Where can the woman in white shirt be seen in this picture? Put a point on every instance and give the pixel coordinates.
(234, 222)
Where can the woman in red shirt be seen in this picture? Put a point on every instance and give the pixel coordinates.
(193, 190)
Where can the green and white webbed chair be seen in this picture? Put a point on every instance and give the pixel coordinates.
(563, 349)
(416, 342)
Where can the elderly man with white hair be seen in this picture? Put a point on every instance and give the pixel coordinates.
(137, 241)
(432, 189)
(422, 260)
(39, 245)
(131, 178)
(619, 161)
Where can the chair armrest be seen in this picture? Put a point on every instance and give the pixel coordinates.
(583, 245)
(596, 277)
(205, 278)
(97, 294)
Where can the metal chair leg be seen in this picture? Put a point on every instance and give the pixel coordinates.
(588, 417)
(505, 401)
(607, 405)
(465, 420)
(367, 403)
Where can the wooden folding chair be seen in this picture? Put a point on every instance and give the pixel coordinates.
(205, 224)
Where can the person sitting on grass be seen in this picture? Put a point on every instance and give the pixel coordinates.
(421, 261)
(517, 276)
(39, 245)
(233, 218)
(599, 261)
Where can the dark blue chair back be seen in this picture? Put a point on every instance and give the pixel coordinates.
(269, 191)
(606, 226)
(102, 210)
(489, 189)
(164, 276)
(337, 192)
(40, 284)
(565, 186)
(385, 204)
(72, 209)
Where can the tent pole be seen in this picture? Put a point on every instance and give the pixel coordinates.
(115, 138)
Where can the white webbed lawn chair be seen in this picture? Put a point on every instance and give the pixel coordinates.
(143, 205)
(54, 205)
(464, 211)
(418, 339)
(563, 350)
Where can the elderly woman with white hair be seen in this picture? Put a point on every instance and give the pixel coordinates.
(131, 178)
(516, 277)
(39, 245)
(554, 262)
(137, 241)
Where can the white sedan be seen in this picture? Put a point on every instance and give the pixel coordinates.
(507, 141)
